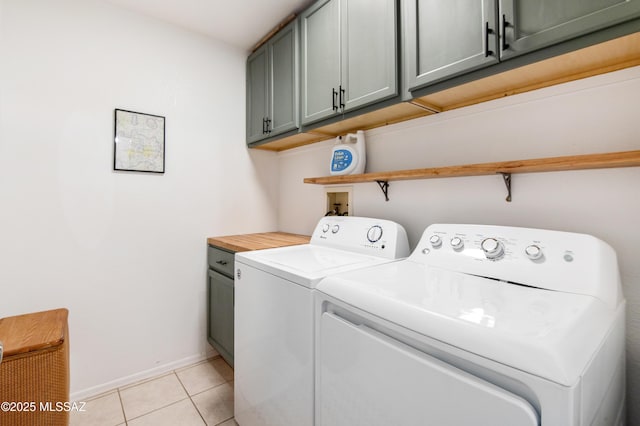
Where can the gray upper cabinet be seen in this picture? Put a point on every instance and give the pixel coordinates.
(349, 56)
(272, 86)
(446, 38)
(529, 25)
(283, 72)
(257, 94)
(340, 57)
(369, 51)
(320, 60)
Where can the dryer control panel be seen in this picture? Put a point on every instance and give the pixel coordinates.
(553, 260)
(377, 237)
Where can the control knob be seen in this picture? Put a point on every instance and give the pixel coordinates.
(435, 241)
(533, 252)
(335, 228)
(457, 243)
(493, 249)
(325, 228)
(374, 233)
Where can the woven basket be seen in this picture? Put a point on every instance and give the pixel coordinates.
(34, 373)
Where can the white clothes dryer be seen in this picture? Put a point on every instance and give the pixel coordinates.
(274, 330)
(481, 325)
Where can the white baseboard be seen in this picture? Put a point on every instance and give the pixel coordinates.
(84, 394)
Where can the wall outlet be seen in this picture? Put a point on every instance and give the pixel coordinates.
(339, 201)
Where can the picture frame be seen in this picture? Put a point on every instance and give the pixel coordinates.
(138, 142)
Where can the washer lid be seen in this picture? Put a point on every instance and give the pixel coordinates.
(546, 333)
(306, 264)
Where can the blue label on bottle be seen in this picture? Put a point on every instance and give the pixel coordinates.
(342, 159)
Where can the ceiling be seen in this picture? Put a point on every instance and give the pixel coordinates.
(241, 23)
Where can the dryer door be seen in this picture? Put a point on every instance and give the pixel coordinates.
(367, 378)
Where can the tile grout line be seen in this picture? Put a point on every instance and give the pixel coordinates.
(226, 382)
(190, 399)
(124, 416)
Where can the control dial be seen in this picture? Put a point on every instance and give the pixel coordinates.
(457, 243)
(533, 252)
(435, 241)
(325, 227)
(493, 249)
(335, 229)
(374, 233)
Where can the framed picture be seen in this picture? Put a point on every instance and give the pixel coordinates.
(138, 142)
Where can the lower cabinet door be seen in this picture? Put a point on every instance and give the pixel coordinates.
(221, 300)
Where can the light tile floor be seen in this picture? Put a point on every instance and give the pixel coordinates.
(198, 395)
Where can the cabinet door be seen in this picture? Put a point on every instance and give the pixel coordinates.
(320, 60)
(369, 51)
(283, 72)
(257, 94)
(444, 39)
(529, 25)
(221, 314)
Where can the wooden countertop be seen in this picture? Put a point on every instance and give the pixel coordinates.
(247, 242)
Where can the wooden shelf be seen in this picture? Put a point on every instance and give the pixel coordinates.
(550, 164)
(506, 168)
(612, 55)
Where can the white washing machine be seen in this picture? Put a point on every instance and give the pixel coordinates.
(274, 330)
(481, 325)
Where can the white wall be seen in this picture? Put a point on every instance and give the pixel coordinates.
(589, 116)
(124, 252)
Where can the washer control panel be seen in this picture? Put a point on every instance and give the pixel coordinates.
(491, 246)
(552, 260)
(378, 237)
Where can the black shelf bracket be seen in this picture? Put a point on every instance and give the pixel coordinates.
(384, 186)
(507, 181)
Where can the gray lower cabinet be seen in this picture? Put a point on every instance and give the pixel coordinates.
(530, 25)
(348, 56)
(446, 38)
(272, 86)
(220, 302)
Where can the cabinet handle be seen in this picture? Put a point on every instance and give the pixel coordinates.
(487, 52)
(268, 125)
(264, 122)
(335, 95)
(505, 24)
(221, 262)
(341, 98)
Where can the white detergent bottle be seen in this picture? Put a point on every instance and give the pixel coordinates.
(348, 156)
